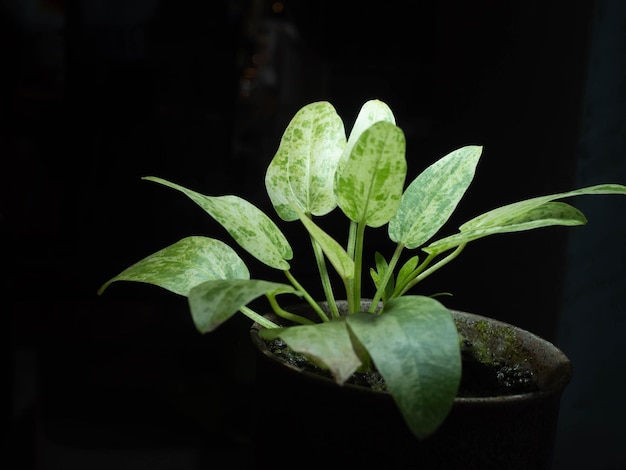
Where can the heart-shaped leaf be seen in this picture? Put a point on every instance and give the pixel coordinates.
(369, 186)
(302, 171)
(371, 112)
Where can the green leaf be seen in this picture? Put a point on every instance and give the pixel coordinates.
(430, 199)
(213, 302)
(546, 215)
(302, 170)
(371, 112)
(326, 344)
(250, 227)
(378, 275)
(528, 214)
(407, 268)
(369, 187)
(185, 264)
(405, 274)
(422, 364)
(502, 215)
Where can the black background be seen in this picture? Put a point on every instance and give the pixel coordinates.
(97, 94)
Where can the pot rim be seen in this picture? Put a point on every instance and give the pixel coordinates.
(559, 364)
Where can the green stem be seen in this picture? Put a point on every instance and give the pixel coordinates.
(324, 277)
(358, 264)
(260, 319)
(285, 314)
(351, 249)
(387, 275)
(307, 296)
(435, 267)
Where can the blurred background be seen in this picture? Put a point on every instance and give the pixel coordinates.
(96, 94)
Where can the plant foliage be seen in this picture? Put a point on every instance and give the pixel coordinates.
(410, 339)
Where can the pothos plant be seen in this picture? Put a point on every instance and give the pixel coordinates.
(411, 340)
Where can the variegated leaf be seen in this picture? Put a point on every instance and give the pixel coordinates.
(422, 364)
(213, 302)
(371, 112)
(250, 227)
(302, 170)
(185, 264)
(430, 199)
(326, 344)
(369, 187)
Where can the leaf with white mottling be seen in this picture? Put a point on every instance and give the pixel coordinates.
(369, 186)
(428, 202)
(415, 347)
(546, 215)
(326, 344)
(302, 170)
(250, 227)
(213, 302)
(185, 264)
(501, 215)
(524, 215)
(371, 112)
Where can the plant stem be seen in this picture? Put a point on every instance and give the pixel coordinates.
(387, 275)
(308, 297)
(350, 249)
(424, 274)
(260, 319)
(358, 263)
(324, 277)
(285, 314)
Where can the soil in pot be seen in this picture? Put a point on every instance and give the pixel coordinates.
(504, 417)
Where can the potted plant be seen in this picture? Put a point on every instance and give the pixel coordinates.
(412, 345)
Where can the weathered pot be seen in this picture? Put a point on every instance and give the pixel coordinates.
(304, 416)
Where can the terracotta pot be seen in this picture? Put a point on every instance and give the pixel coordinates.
(302, 415)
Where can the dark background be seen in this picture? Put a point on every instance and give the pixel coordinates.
(96, 94)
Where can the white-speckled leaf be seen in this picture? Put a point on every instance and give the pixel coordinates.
(185, 264)
(430, 199)
(370, 185)
(501, 215)
(327, 344)
(250, 227)
(422, 364)
(213, 302)
(546, 215)
(303, 169)
(371, 112)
